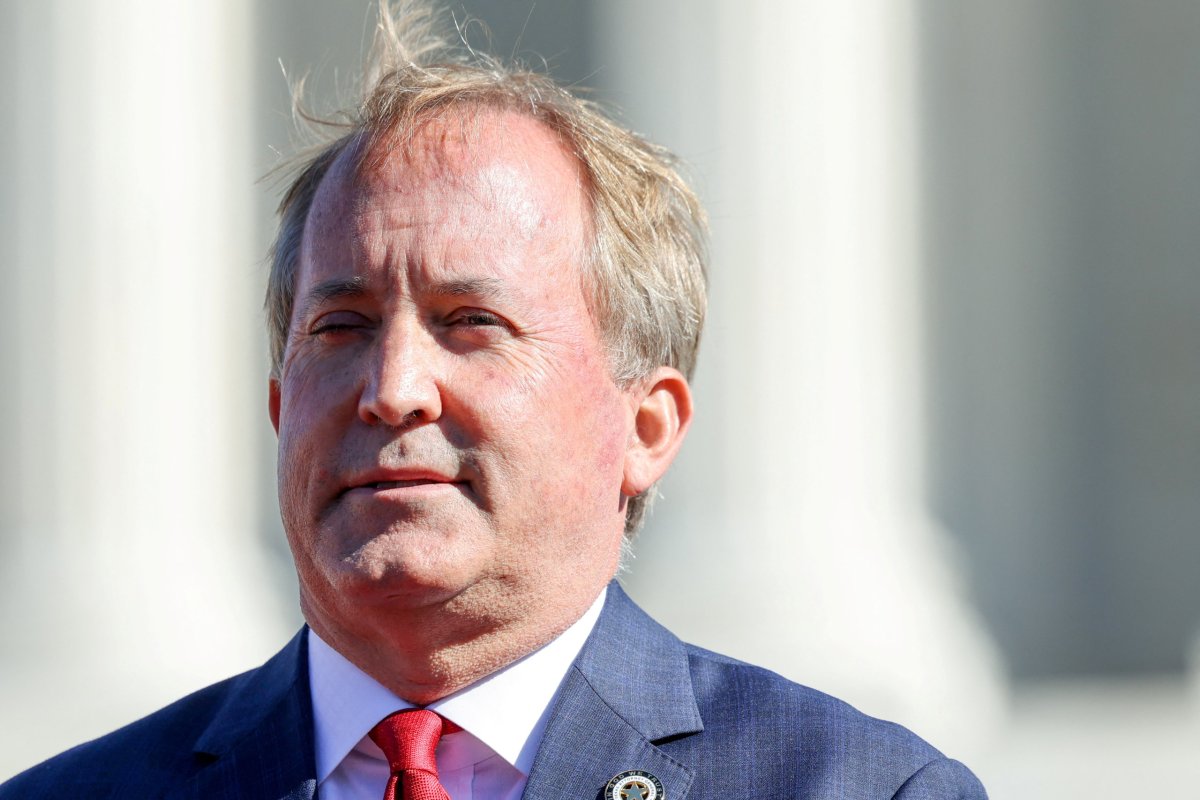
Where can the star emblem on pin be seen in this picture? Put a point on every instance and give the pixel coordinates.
(634, 784)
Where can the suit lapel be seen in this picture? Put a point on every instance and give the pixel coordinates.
(260, 742)
(629, 688)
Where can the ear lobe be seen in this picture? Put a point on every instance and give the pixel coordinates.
(273, 403)
(661, 421)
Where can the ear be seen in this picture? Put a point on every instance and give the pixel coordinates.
(661, 419)
(273, 403)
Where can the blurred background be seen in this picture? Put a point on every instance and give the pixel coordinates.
(947, 456)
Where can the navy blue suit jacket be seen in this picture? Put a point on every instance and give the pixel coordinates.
(707, 726)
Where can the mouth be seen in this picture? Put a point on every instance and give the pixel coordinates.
(405, 484)
(399, 486)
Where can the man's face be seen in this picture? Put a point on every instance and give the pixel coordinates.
(449, 432)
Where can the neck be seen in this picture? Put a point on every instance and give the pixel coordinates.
(427, 653)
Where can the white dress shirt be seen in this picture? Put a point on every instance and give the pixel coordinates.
(502, 717)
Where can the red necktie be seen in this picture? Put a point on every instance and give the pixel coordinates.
(409, 739)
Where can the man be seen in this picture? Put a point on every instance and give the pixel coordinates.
(485, 301)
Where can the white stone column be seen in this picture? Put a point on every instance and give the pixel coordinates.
(132, 568)
(808, 546)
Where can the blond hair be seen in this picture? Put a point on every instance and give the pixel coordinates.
(645, 269)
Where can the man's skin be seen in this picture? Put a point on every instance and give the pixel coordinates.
(455, 457)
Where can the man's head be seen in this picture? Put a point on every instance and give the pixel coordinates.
(479, 347)
(645, 259)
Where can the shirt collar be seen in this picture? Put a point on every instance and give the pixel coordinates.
(506, 711)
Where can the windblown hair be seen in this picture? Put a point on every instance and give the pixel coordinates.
(645, 268)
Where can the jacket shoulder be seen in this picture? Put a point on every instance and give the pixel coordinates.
(804, 738)
(262, 714)
(133, 761)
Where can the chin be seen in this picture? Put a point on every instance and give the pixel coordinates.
(389, 577)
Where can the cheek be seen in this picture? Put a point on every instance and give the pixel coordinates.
(310, 411)
(585, 424)
(613, 445)
(601, 410)
(310, 395)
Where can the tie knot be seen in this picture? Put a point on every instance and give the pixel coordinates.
(409, 738)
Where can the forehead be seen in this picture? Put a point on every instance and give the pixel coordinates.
(472, 174)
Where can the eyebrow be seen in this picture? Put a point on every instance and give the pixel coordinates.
(331, 290)
(357, 287)
(469, 286)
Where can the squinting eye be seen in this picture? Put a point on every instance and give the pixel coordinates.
(477, 317)
(337, 321)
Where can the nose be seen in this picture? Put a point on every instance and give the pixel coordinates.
(401, 388)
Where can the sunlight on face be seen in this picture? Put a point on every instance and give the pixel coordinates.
(449, 430)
